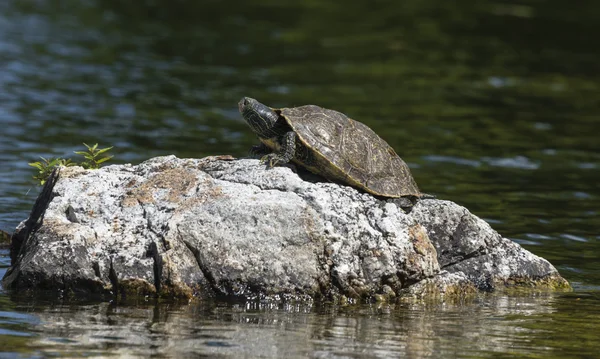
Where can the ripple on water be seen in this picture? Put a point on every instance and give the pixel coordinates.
(13, 324)
(525, 242)
(519, 162)
(493, 221)
(452, 159)
(573, 237)
(582, 195)
(587, 165)
(537, 236)
(543, 126)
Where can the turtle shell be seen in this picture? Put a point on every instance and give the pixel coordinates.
(344, 150)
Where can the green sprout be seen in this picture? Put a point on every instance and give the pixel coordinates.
(92, 156)
(47, 165)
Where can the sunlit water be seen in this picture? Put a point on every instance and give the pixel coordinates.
(494, 105)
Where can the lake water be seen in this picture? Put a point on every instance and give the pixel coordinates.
(493, 104)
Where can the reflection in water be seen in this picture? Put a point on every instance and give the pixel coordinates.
(520, 326)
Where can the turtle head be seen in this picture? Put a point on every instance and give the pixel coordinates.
(259, 117)
(246, 102)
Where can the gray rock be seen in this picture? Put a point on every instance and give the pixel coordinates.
(223, 227)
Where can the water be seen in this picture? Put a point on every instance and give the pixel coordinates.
(489, 328)
(493, 104)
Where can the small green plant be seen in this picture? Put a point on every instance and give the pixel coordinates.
(93, 158)
(47, 165)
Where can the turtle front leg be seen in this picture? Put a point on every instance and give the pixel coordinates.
(258, 151)
(286, 152)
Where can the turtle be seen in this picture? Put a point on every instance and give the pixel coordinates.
(330, 144)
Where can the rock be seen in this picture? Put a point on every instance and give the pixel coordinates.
(223, 227)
